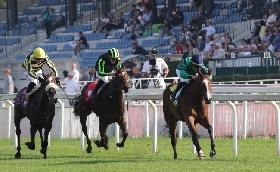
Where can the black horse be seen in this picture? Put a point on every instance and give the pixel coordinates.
(40, 111)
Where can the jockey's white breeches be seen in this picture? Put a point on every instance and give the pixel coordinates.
(30, 78)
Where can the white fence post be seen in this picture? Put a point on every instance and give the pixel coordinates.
(117, 134)
(180, 132)
(212, 117)
(245, 117)
(62, 117)
(277, 121)
(234, 126)
(10, 108)
(155, 126)
(147, 119)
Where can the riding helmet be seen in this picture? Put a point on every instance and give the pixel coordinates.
(39, 53)
(114, 53)
(197, 60)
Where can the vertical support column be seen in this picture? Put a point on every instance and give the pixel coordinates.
(147, 119)
(62, 117)
(245, 118)
(155, 126)
(213, 117)
(10, 110)
(234, 126)
(13, 13)
(72, 6)
(180, 129)
(277, 121)
(117, 134)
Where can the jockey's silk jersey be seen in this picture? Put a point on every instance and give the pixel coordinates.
(104, 67)
(31, 66)
(186, 70)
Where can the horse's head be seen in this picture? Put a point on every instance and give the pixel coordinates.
(49, 85)
(204, 85)
(120, 79)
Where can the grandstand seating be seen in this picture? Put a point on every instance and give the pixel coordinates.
(32, 11)
(90, 55)
(117, 35)
(154, 42)
(120, 44)
(9, 41)
(47, 48)
(95, 36)
(78, 28)
(21, 32)
(1, 49)
(127, 52)
(51, 56)
(63, 38)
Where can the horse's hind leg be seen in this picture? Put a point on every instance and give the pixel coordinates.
(122, 124)
(172, 123)
(18, 132)
(83, 120)
(31, 145)
(193, 130)
(206, 124)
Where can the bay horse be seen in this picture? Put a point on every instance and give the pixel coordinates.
(109, 107)
(193, 110)
(40, 111)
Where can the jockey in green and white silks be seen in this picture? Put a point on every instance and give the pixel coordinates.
(186, 70)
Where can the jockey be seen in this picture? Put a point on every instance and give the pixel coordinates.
(105, 66)
(33, 64)
(187, 70)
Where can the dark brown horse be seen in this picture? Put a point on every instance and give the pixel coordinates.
(193, 110)
(40, 111)
(109, 108)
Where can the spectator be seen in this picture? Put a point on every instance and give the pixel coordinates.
(211, 53)
(191, 49)
(138, 28)
(208, 44)
(118, 24)
(241, 50)
(136, 75)
(216, 39)
(219, 53)
(187, 34)
(246, 52)
(102, 21)
(129, 31)
(200, 44)
(178, 17)
(72, 84)
(228, 42)
(256, 29)
(254, 50)
(133, 10)
(271, 20)
(75, 72)
(159, 22)
(92, 74)
(270, 46)
(186, 51)
(140, 7)
(263, 29)
(209, 29)
(8, 87)
(166, 29)
(193, 7)
(274, 5)
(153, 18)
(276, 40)
(136, 49)
(81, 44)
(47, 19)
(255, 42)
(146, 17)
(85, 75)
(266, 37)
(60, 22)
(244, 42)
(272, 35)
(178, 48)
(65, 75)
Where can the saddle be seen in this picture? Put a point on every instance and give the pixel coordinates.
(178, 94)
(90, 89)
(27, 95)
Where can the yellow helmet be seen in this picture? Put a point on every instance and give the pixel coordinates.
(39, 53)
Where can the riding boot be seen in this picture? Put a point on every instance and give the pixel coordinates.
(179, 86)
(99, 84)
(30, 86)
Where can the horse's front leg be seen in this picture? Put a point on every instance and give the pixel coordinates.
(41, 136)
(193, 130)
(31, 145)
(45, 142)
(206, 124)
(122, 124)
(83, 120)
(104, 141)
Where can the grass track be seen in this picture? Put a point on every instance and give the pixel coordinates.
(65, 155)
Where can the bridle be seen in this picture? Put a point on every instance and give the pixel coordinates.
(120, 85)
(198, 86)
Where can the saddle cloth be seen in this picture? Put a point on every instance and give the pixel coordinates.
(88, 93)
(178, 94)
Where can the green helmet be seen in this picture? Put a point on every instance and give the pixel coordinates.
(114, 53)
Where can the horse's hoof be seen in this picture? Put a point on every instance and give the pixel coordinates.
(201, 155)
(89, 149)
(107, 147)
(30, 145)
(120, 145)
(175, 155)
(97, 142)
(212, 154)
(42, 151)
(17, 155)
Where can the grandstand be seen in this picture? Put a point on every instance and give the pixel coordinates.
(29, 33)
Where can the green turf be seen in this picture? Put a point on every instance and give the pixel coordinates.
(65, 155)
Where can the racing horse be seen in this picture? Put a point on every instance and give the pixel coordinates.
(108, 105)
(193, 110)
(40, 111)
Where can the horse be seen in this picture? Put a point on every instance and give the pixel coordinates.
(193, 110)
(40, 111)
(109, 107)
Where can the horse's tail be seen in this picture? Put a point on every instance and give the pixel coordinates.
(76, 104)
